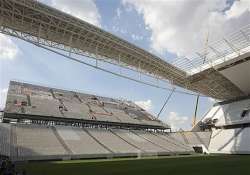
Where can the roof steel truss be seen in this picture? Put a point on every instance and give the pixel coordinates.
(53, 28)
(42, 25)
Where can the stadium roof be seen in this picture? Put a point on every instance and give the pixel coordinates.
(42, 25)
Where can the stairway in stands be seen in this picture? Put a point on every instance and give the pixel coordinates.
(65, 146)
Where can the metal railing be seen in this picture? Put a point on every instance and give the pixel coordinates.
(216, 52)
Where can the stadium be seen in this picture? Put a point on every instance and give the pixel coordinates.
(49, 130)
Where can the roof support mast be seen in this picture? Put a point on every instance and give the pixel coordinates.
(168, 98)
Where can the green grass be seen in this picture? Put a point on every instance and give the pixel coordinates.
(190, 165)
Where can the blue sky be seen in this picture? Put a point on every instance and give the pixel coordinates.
(155, 26)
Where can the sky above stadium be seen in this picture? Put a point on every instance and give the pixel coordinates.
(164, 27)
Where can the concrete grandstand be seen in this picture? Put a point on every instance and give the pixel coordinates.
(41, 123)
(34, 102)
(46, 123)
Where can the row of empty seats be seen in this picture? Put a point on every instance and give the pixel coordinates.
(31, 142)
(5, 142)
(35, 100)
(37, 140)
(192, 138)
(79, 141)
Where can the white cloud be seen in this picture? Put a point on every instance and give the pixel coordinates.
(3, 95)
(136, 37)
(83, 9)
(181, 26)
(118, 12)
(8, 49)
(238, 8)
(178, 122)
(116, 29)
(147, 104)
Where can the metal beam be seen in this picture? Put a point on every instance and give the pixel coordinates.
(47, 27)
(215, 51)
(163, 106)
(231, 46)
(245, 36)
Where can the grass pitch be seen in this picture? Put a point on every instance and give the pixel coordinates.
(190, 165)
